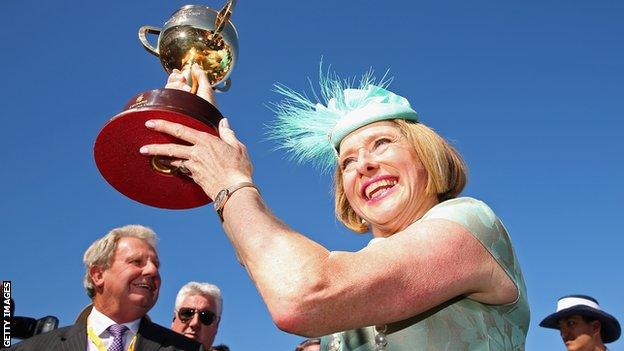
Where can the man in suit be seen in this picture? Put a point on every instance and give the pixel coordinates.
(123, 281)
(197, 312)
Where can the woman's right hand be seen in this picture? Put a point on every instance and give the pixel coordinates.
(214, 163)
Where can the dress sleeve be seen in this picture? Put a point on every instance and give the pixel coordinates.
(479, 219)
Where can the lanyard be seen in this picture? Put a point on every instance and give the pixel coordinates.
(100, 344)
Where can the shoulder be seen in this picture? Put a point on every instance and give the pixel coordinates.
(485, 226)
(165, 337)
(43, 341)
(480, 221)
(474, 215)
(463, 210)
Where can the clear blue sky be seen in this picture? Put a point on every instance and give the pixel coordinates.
(530, 92)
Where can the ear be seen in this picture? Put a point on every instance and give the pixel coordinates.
(596, 327)
(97, 276)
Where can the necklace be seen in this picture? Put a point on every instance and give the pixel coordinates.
(380, 338)
(334, 343)
(381, 341)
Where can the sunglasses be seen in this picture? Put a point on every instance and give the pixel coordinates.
(205, 317)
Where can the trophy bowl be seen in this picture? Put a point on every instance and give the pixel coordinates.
(193, 34)
(197, 34)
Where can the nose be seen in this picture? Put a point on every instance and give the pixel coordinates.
(194, 321)
(150, 268)
(564, 333)
(366, 162)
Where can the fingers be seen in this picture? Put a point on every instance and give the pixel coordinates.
(183, 166)
(175, 76)
(204, 89)
(169, 150)
(177, 130)
(201, 85)
(213, 163)
(178, 86)
(226, 134)
(177, 80)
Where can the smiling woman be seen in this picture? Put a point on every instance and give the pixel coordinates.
(444, 169)
(440, 272)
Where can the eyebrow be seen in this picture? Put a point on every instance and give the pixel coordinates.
(139, 256)
(367, 141)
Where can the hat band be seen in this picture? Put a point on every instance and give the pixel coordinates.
(568, 302)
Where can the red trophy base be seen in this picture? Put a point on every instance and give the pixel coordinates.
(144, 178)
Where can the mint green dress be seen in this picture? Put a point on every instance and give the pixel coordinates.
(461, 323)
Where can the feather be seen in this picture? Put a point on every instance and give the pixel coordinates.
(303, 126)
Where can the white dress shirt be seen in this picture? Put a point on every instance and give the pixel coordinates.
(100, 322)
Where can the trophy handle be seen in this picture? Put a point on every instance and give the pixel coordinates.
(225, 87)
(143, 38)
(224, 15)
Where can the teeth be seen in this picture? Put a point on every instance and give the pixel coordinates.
(142, 285)
(378, 186)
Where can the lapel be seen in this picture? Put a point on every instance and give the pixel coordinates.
(74, 339)
(152, 337)
(147, 339)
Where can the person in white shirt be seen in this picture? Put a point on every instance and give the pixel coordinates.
(123, 281)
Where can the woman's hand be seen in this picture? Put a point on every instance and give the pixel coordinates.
(214, 163)
(200, 86)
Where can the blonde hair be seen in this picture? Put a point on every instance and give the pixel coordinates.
(446, 171)
(101, 252)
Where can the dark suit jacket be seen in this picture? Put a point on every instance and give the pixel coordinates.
(150, 337)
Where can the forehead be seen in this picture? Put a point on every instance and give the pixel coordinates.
(364, 134)
(198, 302)
(128, 246)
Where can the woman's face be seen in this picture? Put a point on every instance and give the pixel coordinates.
(383, 178)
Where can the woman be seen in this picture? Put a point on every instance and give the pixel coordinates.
(440, 272)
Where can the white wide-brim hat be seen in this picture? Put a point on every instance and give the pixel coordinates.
(584, 305)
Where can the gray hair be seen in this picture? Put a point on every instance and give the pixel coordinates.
(204, 289)
(101, 252)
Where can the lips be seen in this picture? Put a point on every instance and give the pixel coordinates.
(149, 286)
(378, 186)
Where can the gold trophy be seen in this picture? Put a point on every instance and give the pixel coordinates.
(193, 34)
(197, 34)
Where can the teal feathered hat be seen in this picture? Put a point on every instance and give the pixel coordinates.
(312, 131)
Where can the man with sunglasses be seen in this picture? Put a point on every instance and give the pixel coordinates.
(197, 312)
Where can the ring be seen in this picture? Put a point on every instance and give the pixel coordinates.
(183, 168)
